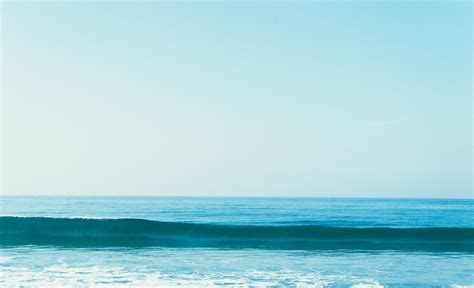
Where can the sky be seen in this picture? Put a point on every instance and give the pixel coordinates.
(313, 99)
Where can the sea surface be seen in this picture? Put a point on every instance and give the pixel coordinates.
(235, 242)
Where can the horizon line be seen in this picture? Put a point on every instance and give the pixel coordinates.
(230, 196)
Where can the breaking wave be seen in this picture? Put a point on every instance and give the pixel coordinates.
(84, 232)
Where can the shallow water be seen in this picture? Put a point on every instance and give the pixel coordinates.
(211, 267)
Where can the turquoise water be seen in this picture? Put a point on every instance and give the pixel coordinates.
(264, 242)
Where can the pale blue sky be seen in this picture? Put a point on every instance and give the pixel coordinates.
(346, 99)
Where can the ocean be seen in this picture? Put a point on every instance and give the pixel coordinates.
(64, 241)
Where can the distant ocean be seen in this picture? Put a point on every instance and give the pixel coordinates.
(235, 242)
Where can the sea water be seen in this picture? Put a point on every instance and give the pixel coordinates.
(237, 242)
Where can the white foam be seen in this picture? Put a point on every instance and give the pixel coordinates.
(6, 259)
(65, 276)
(367, 285)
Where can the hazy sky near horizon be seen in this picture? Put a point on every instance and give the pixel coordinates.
(345, 99)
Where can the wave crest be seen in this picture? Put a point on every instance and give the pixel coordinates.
(86, 232)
